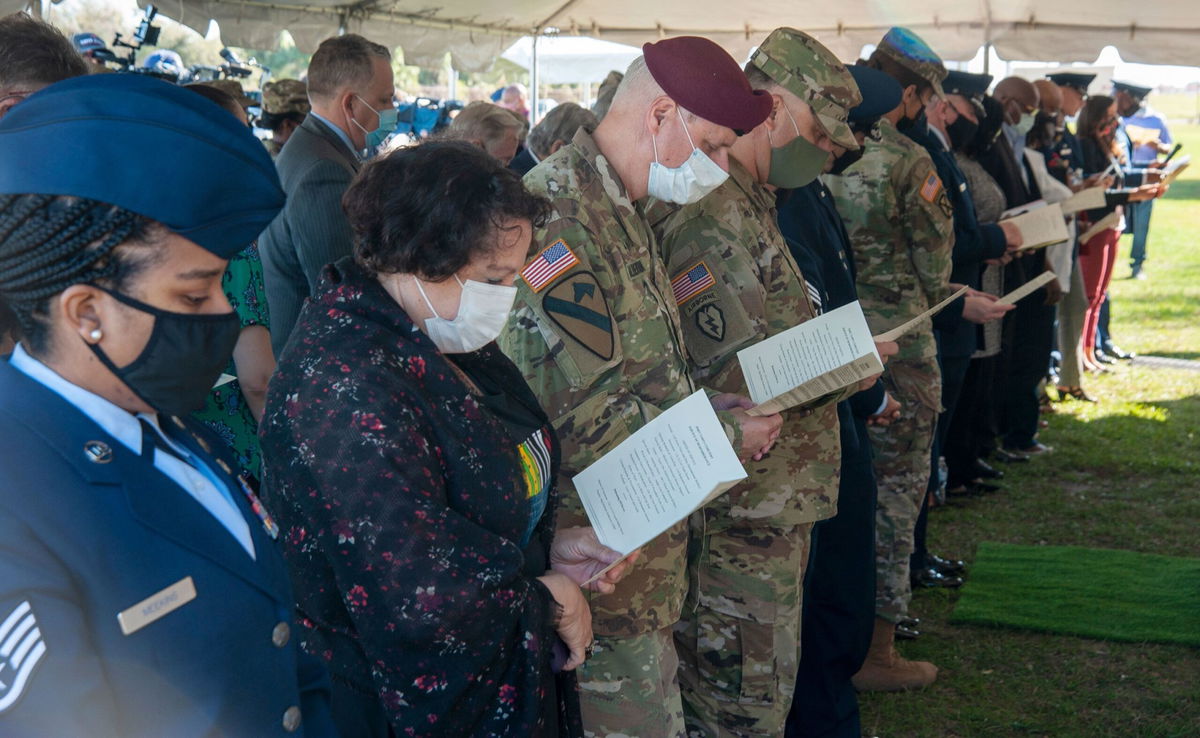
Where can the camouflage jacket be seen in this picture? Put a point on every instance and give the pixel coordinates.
(598, 338)
(735, 283)
(901, 226)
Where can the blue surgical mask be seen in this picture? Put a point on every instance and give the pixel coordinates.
(387, 126)
(688, 182)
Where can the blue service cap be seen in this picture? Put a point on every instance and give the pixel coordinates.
(880, 94)
(115, 137)
(1137, 91)
(974, 87)
(1074, 80)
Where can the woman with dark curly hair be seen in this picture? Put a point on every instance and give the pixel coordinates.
(413, 469)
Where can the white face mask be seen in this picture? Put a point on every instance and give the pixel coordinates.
(482, 312)
(1025, 124)
(688, 182)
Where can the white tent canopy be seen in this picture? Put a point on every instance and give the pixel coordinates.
(571, 60)
(475, 32)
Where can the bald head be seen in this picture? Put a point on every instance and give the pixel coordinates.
(1016, 88)
(1050, 99)
(1017, 96)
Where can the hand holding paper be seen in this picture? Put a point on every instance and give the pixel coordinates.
(901, 330)
(578, 554)
(1040, 226)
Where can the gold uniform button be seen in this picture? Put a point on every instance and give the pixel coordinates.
(291, 719)
(281, 635)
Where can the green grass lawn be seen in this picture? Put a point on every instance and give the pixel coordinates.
(1125, 474)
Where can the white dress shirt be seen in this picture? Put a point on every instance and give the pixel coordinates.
(199, 481)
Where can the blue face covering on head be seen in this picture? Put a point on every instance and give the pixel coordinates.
(387, 125)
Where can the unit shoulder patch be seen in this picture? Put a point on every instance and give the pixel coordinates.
(577, 306)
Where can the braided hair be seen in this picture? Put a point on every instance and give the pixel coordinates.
(50, 242)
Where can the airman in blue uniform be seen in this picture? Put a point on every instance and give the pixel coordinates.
(141, 593)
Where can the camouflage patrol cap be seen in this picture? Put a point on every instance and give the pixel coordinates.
(234, 89)
(285, 96)
(802, 66)
(911, 52)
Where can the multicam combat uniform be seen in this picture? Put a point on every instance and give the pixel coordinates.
(900, 223)
(736, 284)
(598, 338)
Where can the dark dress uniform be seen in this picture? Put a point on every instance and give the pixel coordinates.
(92, 530)
(131, 605)
(839, 589)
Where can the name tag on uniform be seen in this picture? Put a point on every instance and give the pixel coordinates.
(157, 605)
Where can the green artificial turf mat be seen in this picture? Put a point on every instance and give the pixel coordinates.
(1097, 593)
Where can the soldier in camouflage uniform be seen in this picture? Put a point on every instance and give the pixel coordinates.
(735, 283)
(900, 223)
(285, 105)
(597, 335)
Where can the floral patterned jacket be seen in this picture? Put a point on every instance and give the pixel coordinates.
(402, 505)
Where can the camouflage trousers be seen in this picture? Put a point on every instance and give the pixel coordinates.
(739, 638)
(629, 688)
(902, 472)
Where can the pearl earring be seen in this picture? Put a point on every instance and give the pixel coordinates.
(96, 335)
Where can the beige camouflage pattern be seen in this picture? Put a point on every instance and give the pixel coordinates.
(596, 402)
(286, 96)
(902, 473)
(811, 72)
(900, 225)
(759, 292)
(629, 688)
(739, 640)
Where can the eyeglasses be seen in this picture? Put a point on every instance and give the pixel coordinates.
(18, 94)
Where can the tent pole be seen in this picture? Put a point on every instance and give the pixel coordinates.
(533, 81)
(987, 56)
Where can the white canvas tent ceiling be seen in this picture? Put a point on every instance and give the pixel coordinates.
(571, 60)
(477, 31)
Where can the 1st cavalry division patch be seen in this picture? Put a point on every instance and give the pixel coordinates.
(577, 307)
(554, 260)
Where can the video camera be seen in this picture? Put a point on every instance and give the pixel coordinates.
(146, 34)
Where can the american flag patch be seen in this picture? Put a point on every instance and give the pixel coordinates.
(691, 283)
(931, 188)
(553, 261)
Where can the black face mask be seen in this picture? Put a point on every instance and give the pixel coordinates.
(906, 123)
(962, 132)
(847, 159)
(181, 361)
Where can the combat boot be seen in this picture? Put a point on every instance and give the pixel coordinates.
(885, 671)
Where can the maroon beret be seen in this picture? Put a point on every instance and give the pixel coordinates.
(703, 78)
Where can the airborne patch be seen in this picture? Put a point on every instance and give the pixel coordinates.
(931, 188)
(577, 306)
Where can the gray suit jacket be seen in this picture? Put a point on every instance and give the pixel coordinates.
(315, 167)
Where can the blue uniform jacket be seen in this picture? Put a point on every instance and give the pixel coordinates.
(85, 536)
(974, 242)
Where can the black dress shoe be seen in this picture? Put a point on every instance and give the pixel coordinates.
(913, 623)
(1104, 358)
(906, 632)
(1008, 457)
(931, 578)
(1115, 351)
(946, 567)
(984, 470)
(973, 488)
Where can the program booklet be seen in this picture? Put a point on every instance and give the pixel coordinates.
(1040, 224)
(666, 470)
(810, 360)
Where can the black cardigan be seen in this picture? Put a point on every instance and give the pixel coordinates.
(402, 506)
